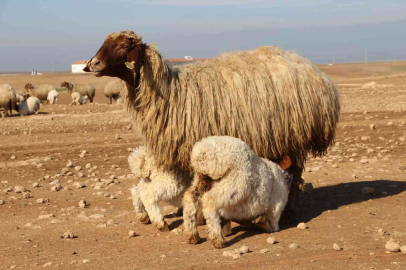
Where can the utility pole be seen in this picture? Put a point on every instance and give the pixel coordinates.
(366, 56)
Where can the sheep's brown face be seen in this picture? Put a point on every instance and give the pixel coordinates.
(111, 57)
(28, 87)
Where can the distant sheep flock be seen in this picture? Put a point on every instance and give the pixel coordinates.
(80, 93)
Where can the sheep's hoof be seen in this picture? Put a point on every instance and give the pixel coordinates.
(164, 228)
(194, 238)
(219, 243)
(144, 218)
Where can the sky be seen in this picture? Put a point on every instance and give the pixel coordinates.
(48, 35)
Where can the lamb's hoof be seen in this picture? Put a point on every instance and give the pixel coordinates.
(194, 238)
(144, 218)
(164, 228)
(218, 243)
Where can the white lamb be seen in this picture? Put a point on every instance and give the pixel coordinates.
(30, 106)
(53, 96)
(77, 99)
(155, 185)
(244, 186)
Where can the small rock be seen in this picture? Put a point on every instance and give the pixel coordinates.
(19, 189)
(47, 264)
(372, 127)
(293, 246)
(132, 234)
(270, 240)
(176, 231)
(367, 190)
(86, 261)
(64, 170)
(392, 246)
(364, 161)
(384, 193)
(337, 247)
(68, 235)
(78, 185)
(26, 195)
(13, 157)
(403, 249)
(35, 184)
(57, 187)
(69, 164)
(97, 216)
(228, 253)
(389, 123)
(244, 249)
(88, 166)
(302, 226)
(263, 251)
(82, 204)
(1, 202)
(382, 232)
(118, 137)
(42, 200)
(46, 216)
(78, 168)
(236, 256)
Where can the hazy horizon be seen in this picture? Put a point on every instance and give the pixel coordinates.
(41, 35)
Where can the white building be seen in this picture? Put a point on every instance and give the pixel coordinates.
(78, 66)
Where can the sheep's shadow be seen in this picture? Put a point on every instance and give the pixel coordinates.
(328, 198)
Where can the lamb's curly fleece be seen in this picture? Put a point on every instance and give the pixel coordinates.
(53, 96)
(244, 186)
(155, 185)
(77, 99)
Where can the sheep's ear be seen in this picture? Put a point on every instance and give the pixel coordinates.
(87, 68)
(130, 65)
(285, 163)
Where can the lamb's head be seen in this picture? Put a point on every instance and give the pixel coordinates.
(140, 162)
(28, 87)
(117, 49)
(67, 85)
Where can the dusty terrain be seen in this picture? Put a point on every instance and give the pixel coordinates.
(36, 148)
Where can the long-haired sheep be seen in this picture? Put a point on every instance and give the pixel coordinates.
(84, 89)
(113, 90)
(155, 185)
(39, 91)
(30, 106)
(8, 98)
(278, 102)
(77, 99)
(53, 96)
(243, 187)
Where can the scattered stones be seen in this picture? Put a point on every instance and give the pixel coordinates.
(68, 235)
(19, 189)
(132, 234)
(82, 204)
(270, 240)
(367, 190)
(337, 247)
(392, 246)
(244, 249)
(293, 246)
(302, 226)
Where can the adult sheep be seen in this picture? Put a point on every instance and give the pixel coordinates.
(39, 91)
(8, 98)
(277, 102)
(84, 89)
(113, 90)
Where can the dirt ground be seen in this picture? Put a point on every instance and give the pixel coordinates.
(369, 152)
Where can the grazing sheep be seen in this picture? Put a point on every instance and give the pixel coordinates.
(113, 90)
(155, 185)
(277, 102)
(77, 99)
(84, 89)
(30, 106)
(53, 96)
(243, 187)
(39, 91)
(8, 98)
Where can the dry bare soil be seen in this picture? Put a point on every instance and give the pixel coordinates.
(36, 148)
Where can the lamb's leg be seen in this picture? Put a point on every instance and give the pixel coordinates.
(151, 205)
(189, 215)
(212, 216)
(138, 206)
(226, 227)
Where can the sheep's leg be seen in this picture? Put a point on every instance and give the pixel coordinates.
(291, 212)
(189, 215)
(10, 108)
(226, 227)
(212, 216)
(91, 99)
(138, 206)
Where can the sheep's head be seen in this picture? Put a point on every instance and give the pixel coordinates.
(28, 87)
(117, 49)
(68, 85)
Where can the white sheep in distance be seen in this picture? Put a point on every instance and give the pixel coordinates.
(30, 106)
(8, 98)
(113, 90)
(243, 187)
(53, 96)
(39, 91)
(84, 89)
(77, 99)
(155, 185)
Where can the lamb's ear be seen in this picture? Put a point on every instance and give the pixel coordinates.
(285, 163)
